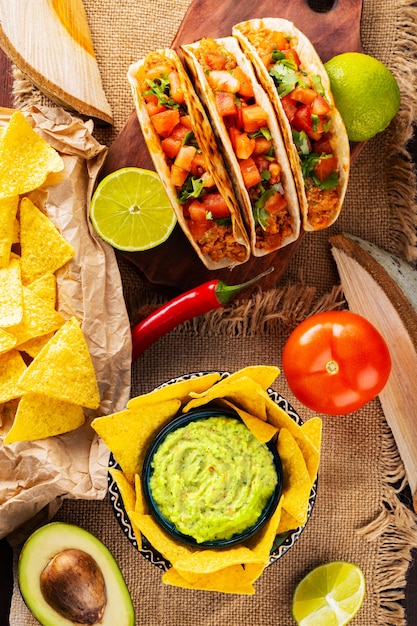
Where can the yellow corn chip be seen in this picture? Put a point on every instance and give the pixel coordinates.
(8, 210)
(180, 390)
(67, 356)
(7, 341)
(209, 561)
(287, 522)
(45, 287)
(264, 375)
(234, 579)
(38, 320)
(140, 504)
(43, 249)
(127, 491)
(297, 482)
(39, 416)
(12, 367)
(33, 346)
(313, 429)
(168, 547)
(243, 392)
(129, 433)
(11, 297)
(261, 544)
(25, 158)
(260, 429)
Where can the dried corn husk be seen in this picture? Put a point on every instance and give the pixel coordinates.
(50, 42)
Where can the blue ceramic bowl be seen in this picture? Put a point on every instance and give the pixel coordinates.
(170, 528)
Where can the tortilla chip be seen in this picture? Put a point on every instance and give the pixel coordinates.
(11, 296)
(297, 482)
(140, 504)
(12, 366)
(313, 429)
(38, 319)
(243, 392)
(7, 341)
(260, 429)
(66, 355)
(127, 491)
(159, 539)
(43, 249)
(45, 288)
(180, 390)
(261, 544)
(263, 375)
(33, 346)
(39, 416)
(128, 433)
(8, 210)
(234, 579)
(286, 523)
(25, 158)
(210, 561)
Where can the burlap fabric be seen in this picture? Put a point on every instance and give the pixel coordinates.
(357, 516)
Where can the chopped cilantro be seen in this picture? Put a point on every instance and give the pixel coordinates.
(260, 215)
(192, 188)
(160, 87)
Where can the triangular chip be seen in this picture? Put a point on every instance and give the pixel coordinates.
(33, 346)
(179, 390)
(11, 297)
(39, 416)
(234, 579)
(12, 367)
(209, 561)
(261, 544)
(8, 210)
(45, 287)
(38, 319)
(67, 356)
(297, 483)
(25, 158)
(126, 489)
(7, 341)
(264, 375)
(260, 429)
(129, 433)
(43, 249)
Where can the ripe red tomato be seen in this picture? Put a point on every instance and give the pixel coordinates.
(335, 362)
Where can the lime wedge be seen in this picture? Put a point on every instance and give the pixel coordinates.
(329, 595)
(131, 210)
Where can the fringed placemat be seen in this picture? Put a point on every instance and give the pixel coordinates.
(358, 515)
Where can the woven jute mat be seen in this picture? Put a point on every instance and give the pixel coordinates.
(358, 515)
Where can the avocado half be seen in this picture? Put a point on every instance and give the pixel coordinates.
(67, 576)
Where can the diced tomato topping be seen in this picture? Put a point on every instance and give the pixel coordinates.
(279, 40)
(178, 176)
(262, 145)
(320, 106)
(225, 103)
(325, 167)
(185, 120)
(165, 121)
(323, 146)
(197, 211)
(302, 121)
(244, 145)
(198, 165)
(185, 157)
(171, 146)
(179, 132)
(245, 85)
(306, 95)
(276, 203)
(253, 118)
(250, 173)
(215, 60)
(290, 107)
(292, 55)
(175, 90)
(216, 205)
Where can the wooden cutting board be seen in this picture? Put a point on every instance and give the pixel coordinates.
(333, 27)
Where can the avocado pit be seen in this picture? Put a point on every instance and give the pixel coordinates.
(73, 585)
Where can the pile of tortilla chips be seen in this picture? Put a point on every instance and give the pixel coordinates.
(129, 433)
(46, 372)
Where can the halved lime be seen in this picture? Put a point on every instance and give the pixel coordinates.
(131, 210)
(329, 595)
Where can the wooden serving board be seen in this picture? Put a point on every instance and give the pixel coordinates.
(174, 266)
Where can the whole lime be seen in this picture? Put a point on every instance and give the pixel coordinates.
(365, 92)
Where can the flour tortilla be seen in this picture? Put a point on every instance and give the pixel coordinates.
(207, 143)
(207, 96)
(312, 64)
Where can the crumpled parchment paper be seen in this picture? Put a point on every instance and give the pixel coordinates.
(36, 476)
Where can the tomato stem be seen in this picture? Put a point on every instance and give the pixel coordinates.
(332, 367)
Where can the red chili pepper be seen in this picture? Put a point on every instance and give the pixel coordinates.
(210, 295)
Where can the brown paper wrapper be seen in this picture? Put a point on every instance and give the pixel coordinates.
(36, 476)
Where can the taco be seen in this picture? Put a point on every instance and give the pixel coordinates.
(245, 124)
(294, 77)
(184, 151)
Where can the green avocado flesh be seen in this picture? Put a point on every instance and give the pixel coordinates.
(93, 591)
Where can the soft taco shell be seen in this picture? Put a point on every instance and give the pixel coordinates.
(235, 249)
(312, 65)
(206, 93)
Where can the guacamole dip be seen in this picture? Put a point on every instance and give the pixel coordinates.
(212, 478)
